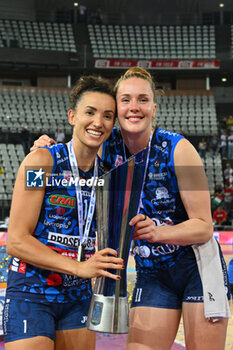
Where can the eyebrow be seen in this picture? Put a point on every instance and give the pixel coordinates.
(140, 95)
(95, 109)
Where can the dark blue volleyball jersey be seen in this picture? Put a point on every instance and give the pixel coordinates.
(161, 200)
(58, 229)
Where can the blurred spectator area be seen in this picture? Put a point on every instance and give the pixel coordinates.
(41, 110)
(37, 35)
(191, 112)
(11, 155)
(232, 41)
(152, 42)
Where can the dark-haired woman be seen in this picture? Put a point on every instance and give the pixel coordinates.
(51, 234)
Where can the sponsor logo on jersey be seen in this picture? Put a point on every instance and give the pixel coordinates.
(54, 279)
(164, 249)
(67, 174)
(119, 160)
(167, 132)
(57, 217)
(166, 201)
(64, 201)
(159, 176)
(160, 148)
(58, 225)
(70, 241)
(61, 160)
(145, 251)
(18, 266)
(194, 298)
(60, 211)
(161, 192)
(70, 281)
(162, 221)
(84, 319)
(66, 240)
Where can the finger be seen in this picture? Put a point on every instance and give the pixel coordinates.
(33, 148)
(45, 138)
(110, 275)
(143, 225)
(141, 236)
(137, 218)
(52, 141)
(108, 251)
(111, 266)
(45, 142)
(140, 229)
(109, 259)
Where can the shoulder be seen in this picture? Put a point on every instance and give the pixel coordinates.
(41, 156)
(165, 140)
(167, 135)
(34, 164)
(186, 154)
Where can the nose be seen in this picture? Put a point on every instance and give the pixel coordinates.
(98, 120)
(134, 105)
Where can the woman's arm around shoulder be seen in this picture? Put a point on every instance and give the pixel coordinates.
(42, 141)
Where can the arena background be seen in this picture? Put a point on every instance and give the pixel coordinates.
(187, 45)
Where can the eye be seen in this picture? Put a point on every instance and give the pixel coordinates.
(89, 112)
(143, 99)
(125, 99)
(108, 116)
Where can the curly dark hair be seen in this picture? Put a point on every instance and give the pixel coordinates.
(90, 83)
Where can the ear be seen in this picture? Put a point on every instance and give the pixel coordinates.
(154, 110)
(71, 117)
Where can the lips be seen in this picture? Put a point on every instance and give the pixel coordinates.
(94, 133)
(134, 118)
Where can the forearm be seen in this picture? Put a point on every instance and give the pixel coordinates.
(32, 251)
(192, 231)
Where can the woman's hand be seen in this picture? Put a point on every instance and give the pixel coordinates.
(144, 228)
(98, 264)
(42, 141)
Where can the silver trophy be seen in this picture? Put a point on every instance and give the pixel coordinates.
(117, 202)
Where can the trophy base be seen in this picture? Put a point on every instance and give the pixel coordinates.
(101, 315)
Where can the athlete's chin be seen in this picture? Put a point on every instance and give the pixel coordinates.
(133, 128)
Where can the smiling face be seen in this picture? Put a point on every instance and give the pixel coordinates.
(135, 105)
(93, 119)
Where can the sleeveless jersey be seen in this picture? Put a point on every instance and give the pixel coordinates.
(161, 200)
(58, 229)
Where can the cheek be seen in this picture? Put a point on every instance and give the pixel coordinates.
(109, 126)
(121, 110)
(149, 111)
